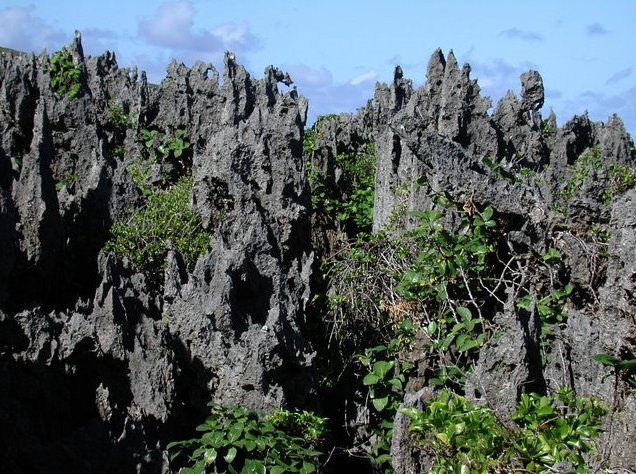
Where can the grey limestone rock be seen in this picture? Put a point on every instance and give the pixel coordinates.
(111, 368)
(441, 138)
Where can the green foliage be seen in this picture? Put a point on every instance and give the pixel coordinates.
(446, 256)
(236, 440)
(350, 202)
(554, 429)
(626, 366)
(464, 438)
(170, 149)
(385, 378)
(65, 75)
(166, 219)
(550, 307)
(449, 274)
(140, 173)
(622, 178)
(67, 181)
(461, 437)
(304, 424)
(118, 118)
(358, 183)
(165, 145)
(497, 169)
(590, 160)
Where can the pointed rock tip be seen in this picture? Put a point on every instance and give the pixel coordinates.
(436, 65)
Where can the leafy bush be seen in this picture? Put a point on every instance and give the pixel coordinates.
(358, 184)
(170, 149)
(119, 119)
(165, 219)
(235, 440)
(450, 278)
(386, 370)
(65, 75)
(464, 438)
(622, 178)
(589, 160)
(351, 203)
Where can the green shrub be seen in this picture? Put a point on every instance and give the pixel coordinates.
(119, 119)
(165, 219)
(622, 178)
(385, 378)
(65, 75)
(590, 160)
(450, 277)
(358, 185)
(461, 437)
(236, 440)
(351, 203)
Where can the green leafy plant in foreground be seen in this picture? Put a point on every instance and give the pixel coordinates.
(165, 145)
(351, 201)
(166, 219)
(622, 178)
(589, 161)
(626, 366)
(386, 371)
(65, 75)
(236, 440)
(450, 276)
(462, 437)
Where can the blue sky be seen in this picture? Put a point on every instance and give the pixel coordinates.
(336, 50)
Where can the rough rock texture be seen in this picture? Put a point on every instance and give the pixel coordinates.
(101, 369)
(99, 372)
(442, 136)
(549, 187)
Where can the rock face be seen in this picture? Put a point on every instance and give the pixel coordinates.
(549, 187)
(101, 366)
(442, 136)
(98, 370)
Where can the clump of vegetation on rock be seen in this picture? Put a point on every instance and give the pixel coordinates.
(65, 74)
(164, 221)
(237, 440)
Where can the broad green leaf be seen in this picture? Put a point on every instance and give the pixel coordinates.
(382, 367)
(307, 468)
(411, 412)
(380, 403)
(235, 432)
(209, 456)
(442, 437)
(230, 455)
(431, 328)
(607, 359)
(627, 364)
(370, 379)
(464, 313)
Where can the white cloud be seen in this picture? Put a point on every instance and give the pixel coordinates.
(306, 76)
(23, 30)
(172, 26)
(596, 29)
(516, 33)
(364, 77)
(619, 75)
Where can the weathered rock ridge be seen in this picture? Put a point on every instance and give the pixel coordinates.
(98, 372)
(100, 369)
(443, 137)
